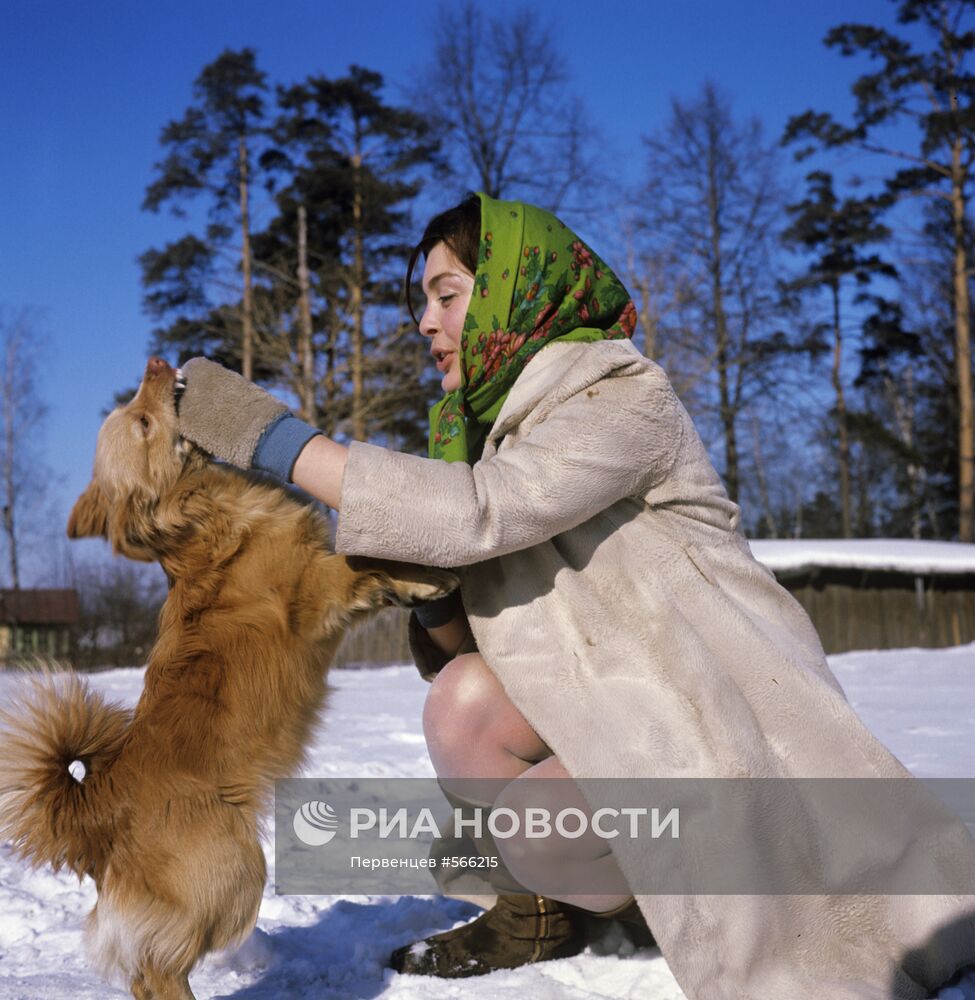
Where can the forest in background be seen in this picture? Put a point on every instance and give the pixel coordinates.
(808, 293)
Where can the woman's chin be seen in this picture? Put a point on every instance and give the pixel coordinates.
(450, 381)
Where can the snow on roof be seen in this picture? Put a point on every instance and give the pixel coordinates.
(898, 555)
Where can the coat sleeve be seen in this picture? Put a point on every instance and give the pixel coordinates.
(615, 439)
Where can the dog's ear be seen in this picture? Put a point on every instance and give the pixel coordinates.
(382, 582)
(89, 517)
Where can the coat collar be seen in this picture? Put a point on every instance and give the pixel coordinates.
(559, 371)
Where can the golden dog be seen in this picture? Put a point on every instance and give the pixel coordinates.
(166, 818)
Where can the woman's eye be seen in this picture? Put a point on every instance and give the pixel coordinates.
(445, 300)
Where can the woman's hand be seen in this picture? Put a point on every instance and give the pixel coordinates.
(453, 638)
(238, 422)
(446, 623)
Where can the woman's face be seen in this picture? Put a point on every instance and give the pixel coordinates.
(447, 285)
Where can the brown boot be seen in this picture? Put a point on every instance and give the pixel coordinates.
(518, 930)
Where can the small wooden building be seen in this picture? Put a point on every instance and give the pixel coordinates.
(879, 593)
(37, 624)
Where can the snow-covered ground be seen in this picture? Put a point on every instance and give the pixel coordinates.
(919, 702)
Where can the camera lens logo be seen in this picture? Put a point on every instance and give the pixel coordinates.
(315, 823)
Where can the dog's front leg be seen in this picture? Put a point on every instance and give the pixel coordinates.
(381, 582)
(150, 984)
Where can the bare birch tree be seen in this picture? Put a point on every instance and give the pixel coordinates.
(709, 214)
(514, 127)
(22, 414)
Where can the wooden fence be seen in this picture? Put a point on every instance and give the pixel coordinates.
(851, 609)
(380, 641)
(868, 609)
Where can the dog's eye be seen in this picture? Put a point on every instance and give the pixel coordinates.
(144, 420)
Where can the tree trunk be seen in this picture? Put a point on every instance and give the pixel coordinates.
(647, 319)
(329, 382)
(9, 453)
(727, 413)
(356, 303)
(841, 418)
(8, 528)
(767, 514)
(963, 355)
(306, 409)
(864, 507)
(903, 404)
(247, 332)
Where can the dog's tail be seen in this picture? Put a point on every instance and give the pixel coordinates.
(49, 815)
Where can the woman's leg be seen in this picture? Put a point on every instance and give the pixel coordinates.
(577, 870)
(471, 727)
(474, 731)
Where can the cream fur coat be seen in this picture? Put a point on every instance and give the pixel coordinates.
(609, 588)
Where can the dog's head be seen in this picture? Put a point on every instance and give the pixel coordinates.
(138, 460)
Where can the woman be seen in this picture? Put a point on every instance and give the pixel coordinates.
(622, 627)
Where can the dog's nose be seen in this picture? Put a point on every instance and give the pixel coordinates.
(156, 366)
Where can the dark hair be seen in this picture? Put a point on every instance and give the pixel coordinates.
(459, 229)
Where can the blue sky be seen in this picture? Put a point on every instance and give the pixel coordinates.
(87, 87)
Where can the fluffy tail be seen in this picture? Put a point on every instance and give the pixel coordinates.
(48, 816)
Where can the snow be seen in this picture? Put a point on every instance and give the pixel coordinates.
(917, 701)
(899, 555)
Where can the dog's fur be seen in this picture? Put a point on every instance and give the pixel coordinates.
(166, 819)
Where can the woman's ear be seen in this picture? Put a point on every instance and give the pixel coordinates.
(89, 517)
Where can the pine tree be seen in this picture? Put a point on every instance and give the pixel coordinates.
(895, 426)
(836, 232)
(352, 164)
(908, 367)
(209, 153)
(934, 88)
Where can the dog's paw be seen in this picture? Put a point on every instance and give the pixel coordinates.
(405, 584)
(411, 594)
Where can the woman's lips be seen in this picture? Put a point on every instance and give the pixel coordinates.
(445, 362)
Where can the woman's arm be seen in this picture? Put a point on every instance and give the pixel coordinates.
(592, 449)
(319, 468)
(615, 439)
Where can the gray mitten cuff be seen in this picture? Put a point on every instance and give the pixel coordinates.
(224, 413)
(281, 443)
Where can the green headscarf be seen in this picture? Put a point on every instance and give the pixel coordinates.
(536, 282)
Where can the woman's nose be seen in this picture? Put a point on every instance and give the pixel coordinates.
(427, 326)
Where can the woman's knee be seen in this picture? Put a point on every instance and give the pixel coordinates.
(460, 697)
(468, 715)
